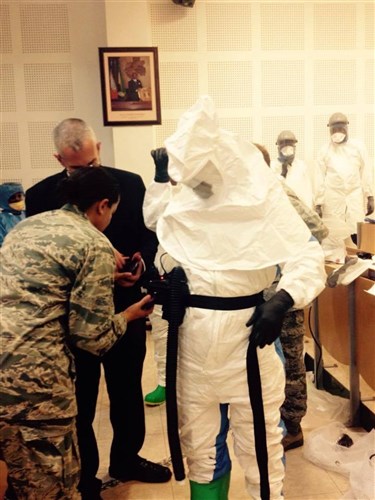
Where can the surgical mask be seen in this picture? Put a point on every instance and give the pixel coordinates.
(17, 205)
(287, 151)
(203, 190)
(338, 137)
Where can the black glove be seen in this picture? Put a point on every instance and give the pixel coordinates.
(318, 210)
(370, 205)
(267, 319)
(160, 157)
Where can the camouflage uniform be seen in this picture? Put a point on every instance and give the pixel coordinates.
(309, 216)
(56, 280)
(42, 457)
(293, 331)
(295, 404)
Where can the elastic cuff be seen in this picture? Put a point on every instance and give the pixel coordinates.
(161, 178)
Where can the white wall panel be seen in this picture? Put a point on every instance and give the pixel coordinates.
(49, 71)
(10, 149)
(45, 28)
(228, 26)
(5, 32)
(335, 26)
(282, 26)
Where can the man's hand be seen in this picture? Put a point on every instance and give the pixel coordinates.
(127, 279)
(140, 309)
(318, 210)
(267, 319)
(370, 205)
(160, 157)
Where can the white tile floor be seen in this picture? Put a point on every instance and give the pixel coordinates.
(304, 480)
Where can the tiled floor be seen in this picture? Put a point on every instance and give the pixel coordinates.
(304, 480)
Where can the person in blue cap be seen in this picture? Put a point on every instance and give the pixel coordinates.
(12, 205)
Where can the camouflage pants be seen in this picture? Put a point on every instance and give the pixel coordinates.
(295, 404)
(42, 458)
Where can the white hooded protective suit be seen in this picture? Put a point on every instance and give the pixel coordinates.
(298, 179)
(229, 244)
(344, 182)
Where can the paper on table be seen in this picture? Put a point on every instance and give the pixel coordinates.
(371, 290)
(354, 271)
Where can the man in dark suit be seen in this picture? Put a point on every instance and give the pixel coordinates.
(76, 146)
(133, 85)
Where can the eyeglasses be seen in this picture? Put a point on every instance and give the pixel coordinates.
(72, 168)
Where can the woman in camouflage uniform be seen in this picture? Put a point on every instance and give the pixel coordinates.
(56, 280)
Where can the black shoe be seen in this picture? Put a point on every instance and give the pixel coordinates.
(291, 441)
(144, 471)
(90, 490)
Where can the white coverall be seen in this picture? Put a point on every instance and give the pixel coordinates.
(164, 264)
(229, 245)
(298, 179)
(344, 182)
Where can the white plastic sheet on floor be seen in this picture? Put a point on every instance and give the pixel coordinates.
(324, 406)
(321, 445)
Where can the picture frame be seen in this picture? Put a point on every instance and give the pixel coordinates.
(130, 85)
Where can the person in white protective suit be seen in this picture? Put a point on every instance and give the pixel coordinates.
(343, 187)
(229, 224)
(163, 264)
(159, 333)
(293, 170)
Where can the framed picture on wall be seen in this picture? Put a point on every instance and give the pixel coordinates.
(130, 85)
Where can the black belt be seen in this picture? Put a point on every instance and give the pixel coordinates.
(224, 303)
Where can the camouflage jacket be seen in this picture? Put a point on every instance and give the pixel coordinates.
(56, 290)
(312, 220)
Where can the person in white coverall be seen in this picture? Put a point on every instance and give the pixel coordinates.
(159, 333)
(229, 224)
(344, 184)
(163, 264)
(293, 170)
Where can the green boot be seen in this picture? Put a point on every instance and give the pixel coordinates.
(156, 397)
(215, 490)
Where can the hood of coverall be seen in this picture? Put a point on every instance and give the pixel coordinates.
(8, 189)
(246, 221)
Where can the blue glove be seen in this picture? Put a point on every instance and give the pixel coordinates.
(267, 319)
(160, 157)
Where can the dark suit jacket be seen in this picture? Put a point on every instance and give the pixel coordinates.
(127, 231)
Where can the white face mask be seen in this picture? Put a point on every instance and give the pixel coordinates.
(203, 190)
(338, 137)
(287, 151)
(17, 205)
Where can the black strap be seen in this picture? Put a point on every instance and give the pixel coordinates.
(224, 303)
(260, 433)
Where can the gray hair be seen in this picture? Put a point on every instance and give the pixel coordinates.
(72, 133)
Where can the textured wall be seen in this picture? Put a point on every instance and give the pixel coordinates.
(48, 71)
(268, 65)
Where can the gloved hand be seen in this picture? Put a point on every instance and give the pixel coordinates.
(160, 157)
(318, 210)
(284, 168)
(268, 318)
(370, 205)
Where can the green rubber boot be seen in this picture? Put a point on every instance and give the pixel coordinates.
(215, 490)
(156, 397)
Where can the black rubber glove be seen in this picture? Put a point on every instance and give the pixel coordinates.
(160, 157)
(370, 205)
(267, 319)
